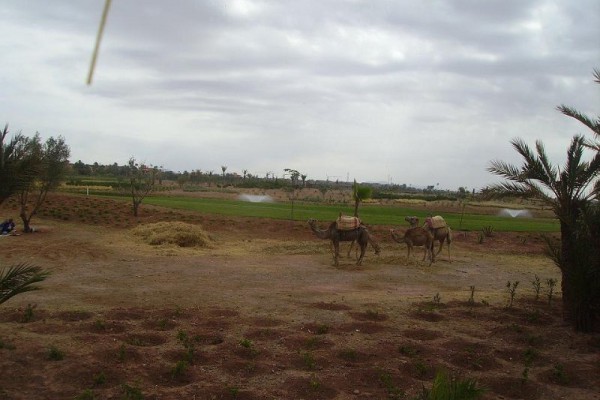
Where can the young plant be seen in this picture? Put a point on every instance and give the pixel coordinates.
(471, 300)
(188, 344)
(28, 313)
(445, 387)
(308, 360)
(179, 369)
(488, 231)
(121, 353)
(54, 354)
(394, 392)
(512, 290)
(132, 392)
(537, 285)
(559, 375)
(551, 283)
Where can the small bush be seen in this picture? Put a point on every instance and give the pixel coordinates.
(54, 354)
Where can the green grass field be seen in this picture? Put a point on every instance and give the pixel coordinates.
(370, 214)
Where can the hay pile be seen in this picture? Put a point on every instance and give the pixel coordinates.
(177, 233)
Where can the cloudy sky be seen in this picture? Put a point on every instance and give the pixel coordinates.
(421, 92)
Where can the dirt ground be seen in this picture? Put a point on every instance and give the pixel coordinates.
(262, 313)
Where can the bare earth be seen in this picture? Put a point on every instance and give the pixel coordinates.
(263, 314)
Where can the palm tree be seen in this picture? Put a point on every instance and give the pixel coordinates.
(571, 192)
(19, 279)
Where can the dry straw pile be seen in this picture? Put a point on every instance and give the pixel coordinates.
(177, 233)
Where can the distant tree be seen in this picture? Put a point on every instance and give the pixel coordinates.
(223, 168)
(294, 176)
(359, 194)
(81, 169)
(572, 192)
(19, 279)
(182, 180)
(245, 172)
(49, 162)
(142, 179)
(303, 177)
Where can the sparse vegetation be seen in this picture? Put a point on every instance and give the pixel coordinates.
(488, 231)
(537, 286)
(452, 388)
(471, 300)
(512, 291)
(54, 354)
(550, 283)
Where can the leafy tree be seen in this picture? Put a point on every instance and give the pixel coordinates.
(572, 192)
(19, 279)
(359, 194)
(16, 164)
(47, 165)
(142, 180)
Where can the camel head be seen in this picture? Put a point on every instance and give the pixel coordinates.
(413, 221)
(395, 235)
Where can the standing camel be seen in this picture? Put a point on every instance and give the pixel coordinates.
(441, 234)
(360, 235)
(416, 236)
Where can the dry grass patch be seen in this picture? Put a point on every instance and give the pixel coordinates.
(178, 233)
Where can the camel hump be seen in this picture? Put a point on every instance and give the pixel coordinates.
(347, 223)
(435, 222)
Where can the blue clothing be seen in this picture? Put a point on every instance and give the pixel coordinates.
(7, 227)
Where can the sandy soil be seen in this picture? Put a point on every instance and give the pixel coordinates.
(263, 314)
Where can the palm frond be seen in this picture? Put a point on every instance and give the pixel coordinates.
(505, 170)
(594, 125)
(19, 279)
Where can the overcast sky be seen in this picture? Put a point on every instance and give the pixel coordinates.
(420, 92)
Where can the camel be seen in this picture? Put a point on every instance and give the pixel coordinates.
(360, 235)
(416, 236)
(442, 234)
(372, 242)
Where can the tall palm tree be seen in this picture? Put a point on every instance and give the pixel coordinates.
(572, 192)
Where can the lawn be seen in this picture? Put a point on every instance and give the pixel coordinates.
(370, 214)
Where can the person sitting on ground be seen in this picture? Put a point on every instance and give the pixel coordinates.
(7, 227)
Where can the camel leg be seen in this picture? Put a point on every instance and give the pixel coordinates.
(363, 248)
(350, 249)
(441, 247)
(336, 253)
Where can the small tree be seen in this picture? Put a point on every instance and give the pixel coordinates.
(48, 163)
(16, 164)
(359, 194)
(294, 177)
(142, 179)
